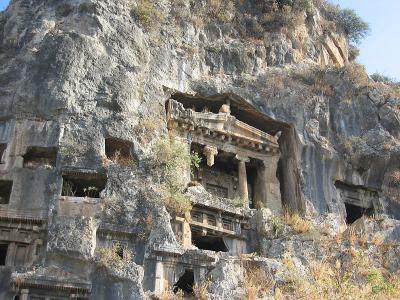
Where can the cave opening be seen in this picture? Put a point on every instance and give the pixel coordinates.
(3, 254)
(40, 157)
(5, 191)
(354, 212)
(207, 242)
(83, 185)
(185, 283)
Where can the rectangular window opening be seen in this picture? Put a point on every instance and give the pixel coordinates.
(119, 151)
(83, 185)
(5, 191)
(40, 157)
(208, 242)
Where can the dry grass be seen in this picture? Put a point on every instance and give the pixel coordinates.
(336, 279)
(257, 282)
(109, 257)
(148, 14)
(299, 224)
(124, 160)
(168, 294)
(200, 291)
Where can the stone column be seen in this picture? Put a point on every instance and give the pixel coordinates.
(210, 152)
(243, 192)
(159, 276)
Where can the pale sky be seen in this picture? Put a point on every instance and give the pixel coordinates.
(379, 50)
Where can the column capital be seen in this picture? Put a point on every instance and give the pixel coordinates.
(210, 152)
(242, 158)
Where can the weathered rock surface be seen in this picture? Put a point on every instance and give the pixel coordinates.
(75, 72)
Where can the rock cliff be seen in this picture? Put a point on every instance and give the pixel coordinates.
(76, 74)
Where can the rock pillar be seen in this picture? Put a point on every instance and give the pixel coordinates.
(243, 191)
(272, 193)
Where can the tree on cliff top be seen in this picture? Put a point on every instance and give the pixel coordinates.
(355, 27)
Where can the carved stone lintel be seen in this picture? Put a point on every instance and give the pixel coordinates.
(210, 152)
(242, 158)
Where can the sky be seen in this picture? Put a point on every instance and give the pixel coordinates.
(378, 52)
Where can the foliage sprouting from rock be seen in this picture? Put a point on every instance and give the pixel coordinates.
(173, 160)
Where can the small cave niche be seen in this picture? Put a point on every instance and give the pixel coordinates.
(354, 212)
(5, 191)
(3, 254)
(3, 148)
(83, 185)
(119, 151)
(40, 157)
(185, 283)
(208, 242)
(120, 249)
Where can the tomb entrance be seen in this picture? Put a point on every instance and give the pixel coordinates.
(239, 158)
(358, 201)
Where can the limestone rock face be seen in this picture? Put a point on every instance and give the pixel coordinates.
(73, 73)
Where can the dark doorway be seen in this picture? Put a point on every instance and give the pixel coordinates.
(3, 254)
(185, 283)
(5, 191)
(354, 212)
(212, 243)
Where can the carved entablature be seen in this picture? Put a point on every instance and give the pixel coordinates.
(220, 129)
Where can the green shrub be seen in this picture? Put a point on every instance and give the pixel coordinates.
(352, 24)
(379, 283)
(277, 225)
(172, 159)
(354, 52)
(383, 78)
